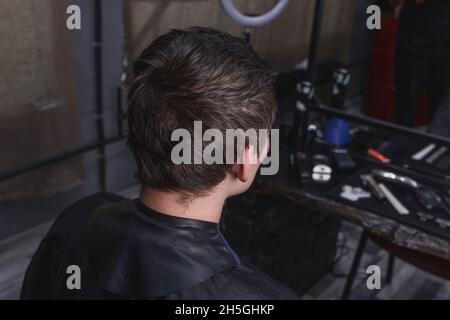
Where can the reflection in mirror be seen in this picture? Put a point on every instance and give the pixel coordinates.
(409, 65)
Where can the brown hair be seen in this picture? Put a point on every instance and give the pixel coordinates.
(199, 74)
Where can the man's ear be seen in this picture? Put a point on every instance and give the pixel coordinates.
(242, 170)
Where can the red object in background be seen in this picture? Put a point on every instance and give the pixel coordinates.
(380, 94)
(377, 155)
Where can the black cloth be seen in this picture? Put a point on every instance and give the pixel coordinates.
(413, 75)
(424, 29)
(422, 58)
(440, 124)
(125, 250)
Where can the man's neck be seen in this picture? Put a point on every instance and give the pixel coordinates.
(207, 208)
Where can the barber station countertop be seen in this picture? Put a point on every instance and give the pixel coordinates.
(392, 227)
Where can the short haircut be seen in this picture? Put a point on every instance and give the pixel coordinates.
(199, 74)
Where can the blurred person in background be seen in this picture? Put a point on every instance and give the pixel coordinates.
(422, 57)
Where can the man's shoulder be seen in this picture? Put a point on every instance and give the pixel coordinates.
(92, 202)
(75, 216)
(68, 232)
(63, 246)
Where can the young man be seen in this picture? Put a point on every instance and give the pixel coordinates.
(167, 244)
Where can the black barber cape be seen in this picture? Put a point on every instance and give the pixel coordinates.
(124, 250)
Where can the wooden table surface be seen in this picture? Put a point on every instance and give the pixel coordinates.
(395, 231)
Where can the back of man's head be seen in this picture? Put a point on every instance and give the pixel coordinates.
(195, 75)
